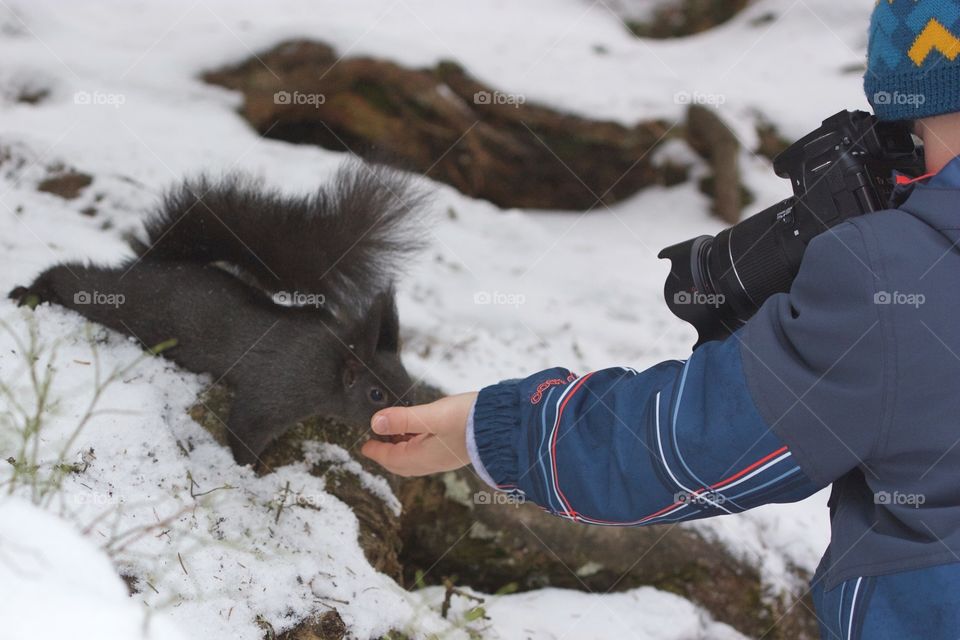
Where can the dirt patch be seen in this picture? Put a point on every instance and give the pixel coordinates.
(68, 184)
(685, 18)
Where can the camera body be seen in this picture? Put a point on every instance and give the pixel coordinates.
(843, 169)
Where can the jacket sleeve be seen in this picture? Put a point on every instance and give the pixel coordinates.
(685, 440)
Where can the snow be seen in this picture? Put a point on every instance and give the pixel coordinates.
(48, 568)
(125, 105)
(167, 505)
(640, 614)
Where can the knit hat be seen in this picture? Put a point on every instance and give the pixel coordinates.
(913, 59)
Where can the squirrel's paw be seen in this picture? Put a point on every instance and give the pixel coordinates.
(25, 297)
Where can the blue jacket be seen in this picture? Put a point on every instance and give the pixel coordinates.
(851, 379)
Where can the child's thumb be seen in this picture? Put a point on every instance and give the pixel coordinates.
(401, 420)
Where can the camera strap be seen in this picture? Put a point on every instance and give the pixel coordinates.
(903, 187)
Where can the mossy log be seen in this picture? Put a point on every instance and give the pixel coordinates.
(443, 532)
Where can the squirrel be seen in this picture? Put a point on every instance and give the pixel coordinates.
(287, 299)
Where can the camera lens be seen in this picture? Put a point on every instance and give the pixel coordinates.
(748, 262)
(700, 252)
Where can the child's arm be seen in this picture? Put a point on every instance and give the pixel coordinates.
(615, 446)
(675, 442)
(777, 411)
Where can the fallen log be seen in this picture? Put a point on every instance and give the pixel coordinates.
(445, 124)
(443, 533)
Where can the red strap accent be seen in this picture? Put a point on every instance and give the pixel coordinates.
(902, 179)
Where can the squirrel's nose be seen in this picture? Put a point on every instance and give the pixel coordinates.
(406, 403)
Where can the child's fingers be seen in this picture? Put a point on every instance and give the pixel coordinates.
(379, 452)
(401, 458)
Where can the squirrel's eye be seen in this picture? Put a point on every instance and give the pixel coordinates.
(376, 394)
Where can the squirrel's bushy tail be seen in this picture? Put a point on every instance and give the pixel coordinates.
(348, 240)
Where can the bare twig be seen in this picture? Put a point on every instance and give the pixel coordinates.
(451, 590)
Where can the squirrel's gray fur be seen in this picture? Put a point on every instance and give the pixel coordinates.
(338, 250)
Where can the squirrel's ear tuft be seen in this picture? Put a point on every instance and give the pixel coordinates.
(377, 329)
(388, 338)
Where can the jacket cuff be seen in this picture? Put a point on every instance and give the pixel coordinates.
(474, 454)
(493, 427)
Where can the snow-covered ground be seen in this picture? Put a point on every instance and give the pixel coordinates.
(124, 105)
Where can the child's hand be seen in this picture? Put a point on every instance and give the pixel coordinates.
(435, 436)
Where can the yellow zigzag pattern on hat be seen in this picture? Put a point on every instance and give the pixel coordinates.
(934, 36)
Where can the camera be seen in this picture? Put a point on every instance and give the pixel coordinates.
(845, 168)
